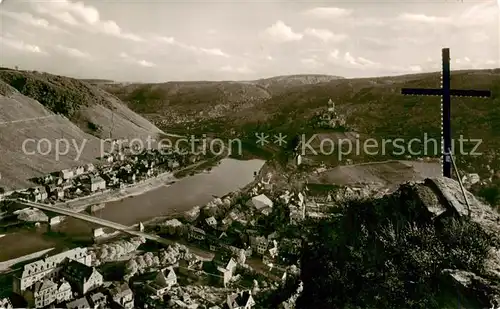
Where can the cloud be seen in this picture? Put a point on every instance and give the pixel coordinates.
(145, 63)
(84, 16)
(311, 63)
(481, 14)
(360, 61)
(334, 54)
(325, 35)
(200, 50)
(244, 69)
(214, 52)
(328, 12)
(73, 52)
(133, 60)
(281, 33)
(426, 19)
(21, 46)
(31, 20)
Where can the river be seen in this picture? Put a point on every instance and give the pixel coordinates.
(183, 195)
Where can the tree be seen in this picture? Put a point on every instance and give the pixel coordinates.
(130, 269)
(103, 253)
(491, 194)
(279, 217)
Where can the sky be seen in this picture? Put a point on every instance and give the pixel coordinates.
(162, 40)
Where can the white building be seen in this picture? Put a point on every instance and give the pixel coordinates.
(123, 296)
(260, 203)
(228, 271)
(5, 303)
(331, 106)
(49, 267)
(79, 170)
(42, 294)
(97, 183)
(89, 168)
(211, 221)
(299, 159)
(165, 279)
(64, 292)
(259, 244)
(66, 174)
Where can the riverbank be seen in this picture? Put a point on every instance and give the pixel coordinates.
(119, 194)
(136, 189)
(156, 205)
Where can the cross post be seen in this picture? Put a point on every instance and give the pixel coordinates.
(446, 93)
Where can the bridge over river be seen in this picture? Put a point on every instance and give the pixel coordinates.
(105, 223)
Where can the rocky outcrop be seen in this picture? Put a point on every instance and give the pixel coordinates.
(443, 197)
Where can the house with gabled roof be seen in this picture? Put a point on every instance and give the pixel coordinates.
(5, 303)
(97, 183)
(38, 193)
(41, 294)
(64, 292)
(66, 174)
(196, 233)
(49, 267)
(241, 300)
(165, 279)
(98, 300)
(122, 295)
(211, 221)
(83, 278)
(227, 271)
(79, 170)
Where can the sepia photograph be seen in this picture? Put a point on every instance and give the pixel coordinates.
(250, 154)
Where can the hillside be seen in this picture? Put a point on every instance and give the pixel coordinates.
(23, 118)
(89, 107)
(181, 102)
(42, 106)
(372, 107)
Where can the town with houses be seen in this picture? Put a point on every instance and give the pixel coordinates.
(116, 170)
(235, 252)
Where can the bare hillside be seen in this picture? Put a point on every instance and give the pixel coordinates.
(23, 118)
(89, 107)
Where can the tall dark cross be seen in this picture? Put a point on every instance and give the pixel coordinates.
(446, 93)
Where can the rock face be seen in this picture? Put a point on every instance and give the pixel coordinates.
(443, 197)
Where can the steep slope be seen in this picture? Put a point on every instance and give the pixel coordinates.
(89, 107)
(22, 118)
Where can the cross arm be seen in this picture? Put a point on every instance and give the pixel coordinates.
(470, 93)
(420, 91)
